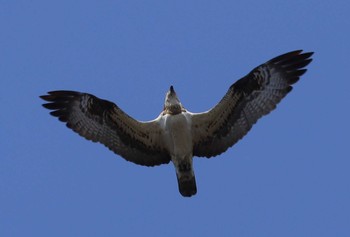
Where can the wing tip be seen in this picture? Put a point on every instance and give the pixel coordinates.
(292, 64)
(293, 55)
(59, 94)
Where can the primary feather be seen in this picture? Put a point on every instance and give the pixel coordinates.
(176, 134)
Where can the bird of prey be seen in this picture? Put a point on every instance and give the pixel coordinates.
(178, 135)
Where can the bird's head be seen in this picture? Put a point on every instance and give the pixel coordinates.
(172, 104)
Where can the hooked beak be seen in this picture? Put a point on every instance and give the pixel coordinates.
(172, 89)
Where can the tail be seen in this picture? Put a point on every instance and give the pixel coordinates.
(187, 184)
(185, 177)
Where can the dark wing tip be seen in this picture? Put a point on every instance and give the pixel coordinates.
(58, 102)
(292, 64)
(52, 95)
(296, 54)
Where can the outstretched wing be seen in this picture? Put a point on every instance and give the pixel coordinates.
(246, 101)
(102, 121)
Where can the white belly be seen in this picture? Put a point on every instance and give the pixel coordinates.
(178, 134)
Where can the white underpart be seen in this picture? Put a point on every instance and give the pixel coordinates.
(178, 137)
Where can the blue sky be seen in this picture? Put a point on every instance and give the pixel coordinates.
(288, 177)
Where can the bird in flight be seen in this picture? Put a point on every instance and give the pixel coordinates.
(177, 135)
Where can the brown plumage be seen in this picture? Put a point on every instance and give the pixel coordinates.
(176, 134)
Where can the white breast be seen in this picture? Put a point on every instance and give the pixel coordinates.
(178, 134)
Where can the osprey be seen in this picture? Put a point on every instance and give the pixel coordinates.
(177, 134)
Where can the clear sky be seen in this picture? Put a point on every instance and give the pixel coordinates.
(288, 177)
